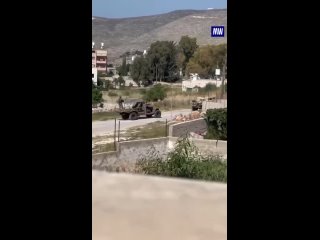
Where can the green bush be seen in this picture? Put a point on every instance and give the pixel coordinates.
(112, 94)
(216, 120)
(143, 91)
(96, 96)
(155, 93)
(208, 88)
(104, 84)
(185, 162)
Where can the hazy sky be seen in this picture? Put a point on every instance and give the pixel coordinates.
(134, 8)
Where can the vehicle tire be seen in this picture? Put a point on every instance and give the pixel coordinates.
(133, 116)
(125, 116)
(157, 114)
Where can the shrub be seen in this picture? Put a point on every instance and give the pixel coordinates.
(209, 88)
(155, 93)
(96, 96)
(184, 161)
(143, 91)
(216, 120)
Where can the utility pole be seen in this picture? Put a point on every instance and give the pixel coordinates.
(171, 100)
(223, 75)
(216, 98)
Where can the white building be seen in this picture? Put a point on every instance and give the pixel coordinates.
(196, 82)
(95, 75)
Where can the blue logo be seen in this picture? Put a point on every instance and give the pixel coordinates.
(217, 31)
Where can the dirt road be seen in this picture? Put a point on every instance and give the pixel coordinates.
(104, 127)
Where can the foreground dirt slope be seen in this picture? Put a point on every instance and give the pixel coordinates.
(143, 207)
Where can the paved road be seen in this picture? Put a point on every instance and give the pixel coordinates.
(140, 207)
(104, 127)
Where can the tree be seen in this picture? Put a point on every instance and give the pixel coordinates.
(128, 68)
(119, 81)
(96, 96)
(216, 120)
(194, 67)
(122, 70)
(99, 82)
(180, 60)
(187, 46)
(206, 59)
(110, 74)
(210, 87)
(103, 84)
(156, 93)
(224, 67)
(161, 59)
(140, 71)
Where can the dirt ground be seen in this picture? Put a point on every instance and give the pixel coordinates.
(138, 207)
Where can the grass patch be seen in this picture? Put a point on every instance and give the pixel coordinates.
(108, 147)
(150, 130)
(165, 105)
(103, 116)
(112, 94)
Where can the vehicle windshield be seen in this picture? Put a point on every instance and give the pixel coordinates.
(137, 104)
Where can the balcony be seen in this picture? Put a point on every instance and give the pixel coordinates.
(101, 61)
(99, 68)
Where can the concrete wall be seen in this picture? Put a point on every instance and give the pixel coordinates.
(129, 152)
(205, 146)
(201, 83)
(222, 103)
(180, 129)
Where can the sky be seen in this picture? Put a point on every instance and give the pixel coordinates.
(135, 8)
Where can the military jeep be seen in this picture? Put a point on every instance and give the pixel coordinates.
(139, 109)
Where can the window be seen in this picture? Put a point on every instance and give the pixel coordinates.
(92, 75)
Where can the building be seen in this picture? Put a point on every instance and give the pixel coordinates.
(99, 58)
(95, 75)
(196, 82)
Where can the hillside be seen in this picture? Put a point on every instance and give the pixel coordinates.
(126, 34)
